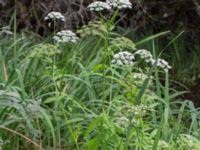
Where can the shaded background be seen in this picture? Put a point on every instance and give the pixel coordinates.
(156, 14)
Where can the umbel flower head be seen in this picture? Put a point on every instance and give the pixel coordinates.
(99, 6)
(65, 36)
(139, 110)
(119, 4)
(137, 79)
(121, 121)
(123, 59)
(139, 76)
(55, 16)
(163, 64)
(148, 58)
(44, 51)
(186, 141)
(145, 55)
(123, 116)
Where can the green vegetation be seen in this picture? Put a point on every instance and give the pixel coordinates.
(71, 96)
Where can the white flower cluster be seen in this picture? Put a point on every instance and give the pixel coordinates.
(119, 4)
(45, 50)
(163, 64)
(123, 59)
(65, 36)
(123, 117)
(121, 121)
(55, 15)
(139, 110)
(188, 141)
(148, 58)
(146, 55)
(99, 6)
(139, 76)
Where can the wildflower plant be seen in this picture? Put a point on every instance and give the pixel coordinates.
(148, 58)
(119, 4)
(123, 59)
(99, 6)
(55, 20)
(82, 95)
(55, 16)
(122, 116)
(145, 55)
(163, 145)
(65, 36)
(163, 64)
(109, 5)
(186, 141)
(45, 51)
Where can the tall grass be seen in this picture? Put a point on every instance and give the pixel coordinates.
(70, 96)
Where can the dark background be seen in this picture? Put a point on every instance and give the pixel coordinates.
(159, 15)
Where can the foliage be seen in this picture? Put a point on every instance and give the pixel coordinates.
(70, 96)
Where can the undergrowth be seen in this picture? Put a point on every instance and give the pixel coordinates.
(70, 96)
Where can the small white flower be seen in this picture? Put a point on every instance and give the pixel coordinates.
(99, 6)
(187, 141)
(123, 59)
(121, 121)
(119, 63)
(139, 76)
(139, 110)
(54, 16)
(144, 54)
(116, 56)
(163, 64)
(119, 4)
(151, 61)
(126, 62)
(148, 58)
(57, 38)
(65, 36)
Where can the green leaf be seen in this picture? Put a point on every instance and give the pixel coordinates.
(152, 37)
(92, 126)
(94, 143)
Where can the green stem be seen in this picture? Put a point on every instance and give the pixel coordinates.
(15, 35)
